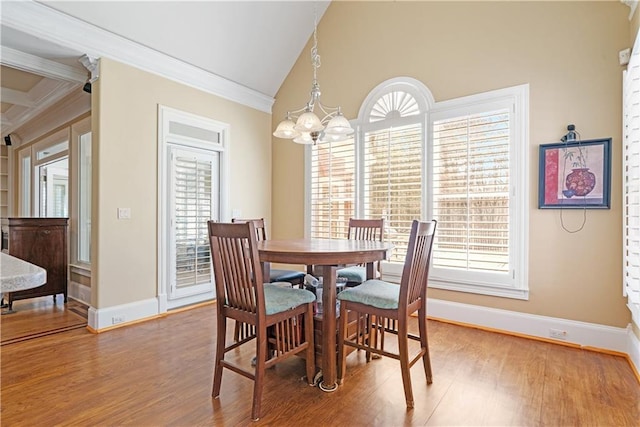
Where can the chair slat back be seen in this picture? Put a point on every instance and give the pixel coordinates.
(236, 266)
(415, 273)
(365, 229)
(261, 229)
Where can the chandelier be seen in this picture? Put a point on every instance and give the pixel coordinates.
(308, 128)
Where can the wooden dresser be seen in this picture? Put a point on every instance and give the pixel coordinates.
(43, 242)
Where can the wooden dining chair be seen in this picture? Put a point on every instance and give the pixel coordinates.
(294, 277)
(278, 315)
(277, 276)
(362, 229)
(387, 308)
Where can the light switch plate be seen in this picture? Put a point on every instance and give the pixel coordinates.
(124, 213)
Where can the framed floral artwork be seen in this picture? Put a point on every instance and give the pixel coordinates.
(575, 174)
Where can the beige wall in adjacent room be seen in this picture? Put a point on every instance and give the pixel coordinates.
(566, 51)
(125, 112)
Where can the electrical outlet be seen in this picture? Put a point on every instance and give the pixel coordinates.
(558, 334)
(117, 319)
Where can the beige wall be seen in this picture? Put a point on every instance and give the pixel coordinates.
(125, 123)
(635, 25)
(566, 51)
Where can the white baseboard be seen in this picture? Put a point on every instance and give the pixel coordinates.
(575, 332)
(126, 313)
(633, 349)
(621, 340)
(80, 292)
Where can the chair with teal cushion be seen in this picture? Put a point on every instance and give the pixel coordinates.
(294, 277)
(276, 275)
(387, 307)
(362, 229)
(281, 318)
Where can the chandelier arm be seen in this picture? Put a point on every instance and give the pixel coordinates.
(329, 112)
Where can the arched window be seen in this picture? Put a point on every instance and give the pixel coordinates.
(460, 161)
(392, 142)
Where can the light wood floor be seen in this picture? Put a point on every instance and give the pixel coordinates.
(36, 317)
(160, 372)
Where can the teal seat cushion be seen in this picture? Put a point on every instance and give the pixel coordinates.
(278, 299)
(285, 275)
(375, 293)
(355, 273)
(280, 284)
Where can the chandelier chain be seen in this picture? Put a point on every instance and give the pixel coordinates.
(325, 124)
(315, 58)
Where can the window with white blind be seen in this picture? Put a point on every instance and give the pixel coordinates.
(631, 183)
(392, 175)
(471, 192)
(462, 162)
(332, 189)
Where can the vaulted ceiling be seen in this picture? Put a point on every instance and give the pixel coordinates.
(250, 44)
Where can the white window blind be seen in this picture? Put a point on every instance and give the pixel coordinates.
(193, 201)
(631, 185)
(332, 189)
(393, 182)
(462, 161)
(471, 192)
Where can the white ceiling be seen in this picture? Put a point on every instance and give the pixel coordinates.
(251, 43)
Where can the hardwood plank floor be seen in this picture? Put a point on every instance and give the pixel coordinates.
(159, 373)
(36, 317)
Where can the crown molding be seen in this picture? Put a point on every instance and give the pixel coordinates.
(633, 4)
(41, 21)
(40, 66)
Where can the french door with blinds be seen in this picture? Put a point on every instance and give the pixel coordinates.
(194, 186)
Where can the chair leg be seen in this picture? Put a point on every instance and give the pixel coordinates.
(236, 332)
(403, 347)
(370, 334)
(261, 354)
(424, 343)
(311, 350)
(342, 355)
(220, 347)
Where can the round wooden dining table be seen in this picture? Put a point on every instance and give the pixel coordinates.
(327, 254)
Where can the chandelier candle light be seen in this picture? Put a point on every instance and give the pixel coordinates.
(308, 127)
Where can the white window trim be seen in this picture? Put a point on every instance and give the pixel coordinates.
(517, 98)
(54, 139)
(77, 129)
(515, 285)
(629, 285)
(25, 189)
(166, 138)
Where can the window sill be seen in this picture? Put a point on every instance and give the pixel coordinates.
(481, 289)
(81, 269)
(392, 272)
